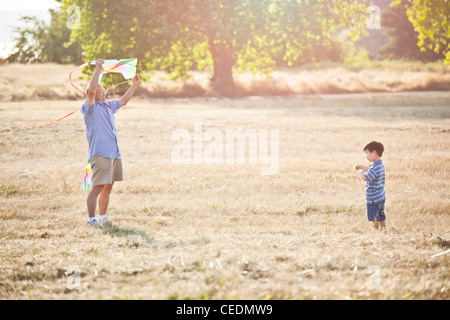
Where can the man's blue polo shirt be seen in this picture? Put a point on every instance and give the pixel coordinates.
(101, 129)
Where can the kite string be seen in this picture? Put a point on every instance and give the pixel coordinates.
(116, 66)
(116, 85)
(106, 72)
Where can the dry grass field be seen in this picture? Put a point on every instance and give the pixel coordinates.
(210, 231)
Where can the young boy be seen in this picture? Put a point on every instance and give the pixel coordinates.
(104, 153)
(375, 177)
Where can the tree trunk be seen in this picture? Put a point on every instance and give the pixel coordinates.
(222, 81)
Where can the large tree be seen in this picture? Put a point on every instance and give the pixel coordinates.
(217, 35)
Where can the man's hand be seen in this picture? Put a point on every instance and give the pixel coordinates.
(136, 80)
(99, 64)
(93, 84)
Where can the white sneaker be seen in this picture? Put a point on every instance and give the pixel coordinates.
(105, 222)
(93, 223)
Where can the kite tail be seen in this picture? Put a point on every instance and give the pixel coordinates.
(116, 85)
(70, 78)
(67, 115)
(49, 124)
(87, 177)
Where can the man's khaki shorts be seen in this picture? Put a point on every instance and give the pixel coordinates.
(105, 170)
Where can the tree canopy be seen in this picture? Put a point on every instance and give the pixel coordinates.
(217, 35)
(225, 36)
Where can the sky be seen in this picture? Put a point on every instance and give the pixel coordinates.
(28, 5)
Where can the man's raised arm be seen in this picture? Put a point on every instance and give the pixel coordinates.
(130, 92)
(93, 85)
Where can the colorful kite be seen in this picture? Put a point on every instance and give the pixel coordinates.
(127, 67)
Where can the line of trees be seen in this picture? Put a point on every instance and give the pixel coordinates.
(41, 42)
(221, 36)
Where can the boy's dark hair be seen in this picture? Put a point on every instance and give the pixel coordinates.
(374, 145)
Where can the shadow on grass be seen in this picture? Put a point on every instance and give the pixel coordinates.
(125, 232)
(115, 231)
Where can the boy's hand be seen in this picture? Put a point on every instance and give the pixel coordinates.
(363, 176)
(361, 167)
(136, 80)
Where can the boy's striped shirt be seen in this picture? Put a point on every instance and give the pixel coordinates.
(375, 185)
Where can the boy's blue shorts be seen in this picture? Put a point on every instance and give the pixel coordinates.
(375, 211)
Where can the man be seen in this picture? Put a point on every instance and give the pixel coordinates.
(104, 152)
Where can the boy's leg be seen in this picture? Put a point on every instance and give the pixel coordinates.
(103, 200)
(92, 199)
(375, 213)
(381, 216)
(372, 214)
